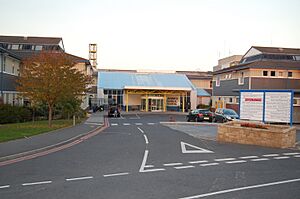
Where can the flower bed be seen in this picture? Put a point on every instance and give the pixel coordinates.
(257, 134)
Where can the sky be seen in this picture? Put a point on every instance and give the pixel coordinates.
(156, 34)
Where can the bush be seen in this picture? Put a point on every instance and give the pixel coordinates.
(14, 114)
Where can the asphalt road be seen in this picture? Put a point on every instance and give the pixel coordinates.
(136, 157)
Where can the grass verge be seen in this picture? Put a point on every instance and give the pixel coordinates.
(27, 129)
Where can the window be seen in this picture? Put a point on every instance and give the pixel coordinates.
(296, 102)
(13, 70)
(230, 100)
(38, 47)
(241, 78)
(210, 84)
(15, 47)
(237, 100)
(290, 74)
(218, 81)
(280, 74)
(273, 73)
(265, 73)
(27, 47)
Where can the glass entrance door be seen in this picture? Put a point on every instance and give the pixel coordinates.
(154, 104)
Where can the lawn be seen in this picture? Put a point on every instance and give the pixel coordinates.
(27, 129)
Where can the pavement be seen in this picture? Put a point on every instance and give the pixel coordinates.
(29, 145)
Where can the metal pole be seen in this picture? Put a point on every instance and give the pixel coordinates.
(2, 68)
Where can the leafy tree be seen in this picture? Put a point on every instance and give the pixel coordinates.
(50, 77)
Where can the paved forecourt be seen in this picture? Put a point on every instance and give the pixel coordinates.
(136, 157)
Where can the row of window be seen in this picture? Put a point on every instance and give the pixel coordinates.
(29, 47)
(271, 57)
(273, 73)
(12, 99)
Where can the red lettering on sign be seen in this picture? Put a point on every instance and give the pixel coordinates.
(253, 99)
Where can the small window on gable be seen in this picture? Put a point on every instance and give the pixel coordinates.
(290, 74)
(265, 73)
(218, 81)
(280, 74)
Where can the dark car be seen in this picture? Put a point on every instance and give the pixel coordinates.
(114, 112)
(224, 115)
(199, 115)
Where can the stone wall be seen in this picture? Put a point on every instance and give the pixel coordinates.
(273, 136)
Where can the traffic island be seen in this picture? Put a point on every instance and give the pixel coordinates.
(254, 133)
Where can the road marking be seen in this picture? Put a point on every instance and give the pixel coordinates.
(198, 149)
(126, 124)
(282, 157)
(146, 139)
(242, 188)
(198, 162)
(291, 153)
(138, 124)
(79, 178)
(185, 167)
(122, 117)
(114, 124)
(4, 186)
(115, 174)
(173, 164)
(209, 164)
(149, 166)
(137, 116)
(224, 159)
(140, 130)
(259, 159)
(297, 156)
(236, 162)
(270, 155)
(249, 157)
(36, 183)
(142, 168)
(150, 123)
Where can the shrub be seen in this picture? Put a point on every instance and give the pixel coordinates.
(253, 125)
(14, 114)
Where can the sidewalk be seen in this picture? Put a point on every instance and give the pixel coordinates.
(48, 140)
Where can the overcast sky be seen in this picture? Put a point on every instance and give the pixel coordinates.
(156, 34)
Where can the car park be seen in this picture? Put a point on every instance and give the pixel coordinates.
(224, 115)
(199, 115)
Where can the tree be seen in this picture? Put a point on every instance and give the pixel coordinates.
(50, 77)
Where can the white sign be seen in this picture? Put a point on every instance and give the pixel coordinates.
(278, 107)
(252, 105)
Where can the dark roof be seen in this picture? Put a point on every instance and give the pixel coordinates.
(30, 40)
(14, 55)
(290, 65)
(199, 77)
(78, 59)
(278, 50)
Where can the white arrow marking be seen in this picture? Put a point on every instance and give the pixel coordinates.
(197, 149)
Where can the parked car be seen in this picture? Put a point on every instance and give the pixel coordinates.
(114, 112)
(199, 115)
(224, 115)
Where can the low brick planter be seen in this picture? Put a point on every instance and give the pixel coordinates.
(257, 134)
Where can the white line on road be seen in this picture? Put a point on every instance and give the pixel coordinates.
(114, 124)
(150, 123)
(242, 188)
(149, 166)
(146, 139)
(297, 156)
(236, 162)
(137, 116)
(198, 162)
(79, 178)
(36, 183)
(142, 168)
(270, 155)
(4, 186)
(173, 164)
(138, 124)
(126, 124)
(209, 164)
(291, 153)
(259, 159)
(224, 159)
(185, 167)
(115, 174)
(281, 157)
(140, 130)
(249, 157)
